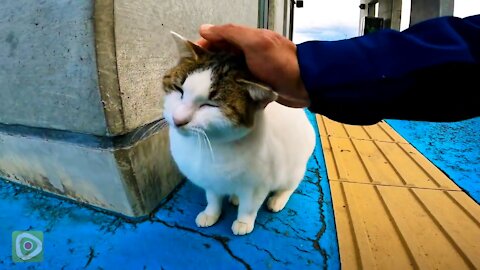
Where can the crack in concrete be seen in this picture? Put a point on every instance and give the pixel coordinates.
(316, 243)
(115, 224)
(300, 192)
(291, 212)
(91, 255)
(168, 198)
(276, 231)
(220, 239)
(295, 230)
(269, 254)
(301, 250)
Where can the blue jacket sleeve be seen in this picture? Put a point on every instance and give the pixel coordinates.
(429, 72)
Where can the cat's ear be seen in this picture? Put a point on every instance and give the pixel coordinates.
(259, 93)
(186, 48)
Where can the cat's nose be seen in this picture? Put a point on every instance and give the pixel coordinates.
(180, 121)
(182, 115)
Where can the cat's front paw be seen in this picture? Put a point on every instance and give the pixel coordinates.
(204, 220)
(242, 228)
(233, 199)
(276, 203)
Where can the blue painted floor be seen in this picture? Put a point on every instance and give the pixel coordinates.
(452, 147)
(302, 236)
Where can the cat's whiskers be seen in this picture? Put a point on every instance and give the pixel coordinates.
(134, 135)
(199, 141)
(205, 138)
(158, 125)
(208, 144)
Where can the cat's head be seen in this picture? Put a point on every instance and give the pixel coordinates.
(212, 92)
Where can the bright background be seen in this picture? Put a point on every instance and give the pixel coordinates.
(340, 20)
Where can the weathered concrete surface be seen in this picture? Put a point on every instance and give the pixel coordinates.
(302, 236)
(129, 179)
(95, 66)
(48, 75)
(145, 48)
(278, 16)
(422, 10)
(391, 11)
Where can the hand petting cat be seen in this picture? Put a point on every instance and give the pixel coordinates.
(271, 57)
(369, 78)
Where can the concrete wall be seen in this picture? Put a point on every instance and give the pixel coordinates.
(391, 11)
(426, 9)
(278, 16)
(145, 49)
(48, 75)
(95, 66)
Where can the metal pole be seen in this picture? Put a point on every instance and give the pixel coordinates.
(290, 30)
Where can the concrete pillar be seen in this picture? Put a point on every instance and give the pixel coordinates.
(390, 11)
(371, 8)
(278, 16)
(275, 15)
(81, 98)
(363, 13)
(385, 12)
(426, 9)
(396, 14)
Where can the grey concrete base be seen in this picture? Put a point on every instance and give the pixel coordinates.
(113, 174)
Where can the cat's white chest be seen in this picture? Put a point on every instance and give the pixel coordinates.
(273, 155)
(208, 168)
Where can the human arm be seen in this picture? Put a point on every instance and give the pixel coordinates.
(388, 74)
(428, 72)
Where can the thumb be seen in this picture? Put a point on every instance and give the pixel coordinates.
(210, 33)
(236, 35)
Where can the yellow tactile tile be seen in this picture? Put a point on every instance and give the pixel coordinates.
(380, 132)
(393, 208)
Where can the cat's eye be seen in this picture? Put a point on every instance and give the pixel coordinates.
(178, 88)
(208, 105)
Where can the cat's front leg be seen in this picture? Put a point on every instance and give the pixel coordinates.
(249, 203)
(212, 212)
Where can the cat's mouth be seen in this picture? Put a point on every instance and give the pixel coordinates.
(189, 130)
(182, 130)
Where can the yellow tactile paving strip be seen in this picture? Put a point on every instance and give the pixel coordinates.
(393, 208)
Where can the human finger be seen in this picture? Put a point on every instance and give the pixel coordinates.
(294, 103)
(237, 35)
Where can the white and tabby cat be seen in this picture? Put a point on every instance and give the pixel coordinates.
(229, 137)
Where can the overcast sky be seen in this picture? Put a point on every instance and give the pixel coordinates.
(338, 19)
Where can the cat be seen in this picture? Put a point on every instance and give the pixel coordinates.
(229, 136)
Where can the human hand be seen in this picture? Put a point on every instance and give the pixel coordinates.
(270, 57)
